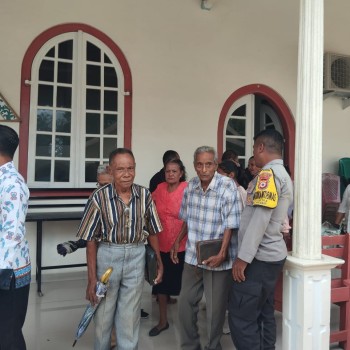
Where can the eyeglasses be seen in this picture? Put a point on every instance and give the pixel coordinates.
(127, 217)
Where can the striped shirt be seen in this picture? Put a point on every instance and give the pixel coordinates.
(107, 218)
(208, 214)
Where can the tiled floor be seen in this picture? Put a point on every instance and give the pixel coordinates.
(52, 319)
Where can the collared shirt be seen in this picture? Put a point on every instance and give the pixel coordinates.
(107, 218)
(14, 250)
(208, 214)
(260, 233)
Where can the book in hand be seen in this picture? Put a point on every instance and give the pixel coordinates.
(150, 265)
(206, 249)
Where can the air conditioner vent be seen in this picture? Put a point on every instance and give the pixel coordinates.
(336, 74)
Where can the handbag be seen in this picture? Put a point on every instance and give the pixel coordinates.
(5, 278)
(206, 249)
(150, 265)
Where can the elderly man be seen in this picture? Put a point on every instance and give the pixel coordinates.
(210, 210)
(122, 216)
(261, 248)
(14, 252)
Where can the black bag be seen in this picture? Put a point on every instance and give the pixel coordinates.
(5, 278)
(206, 249)
(150, 265)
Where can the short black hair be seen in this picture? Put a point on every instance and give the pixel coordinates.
(272, 140)
(8, 141)
(120, 150)
(181, 166)
(169, 155)
(229, 154)
(228, 167)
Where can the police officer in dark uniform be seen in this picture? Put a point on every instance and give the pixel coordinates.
(261, 248)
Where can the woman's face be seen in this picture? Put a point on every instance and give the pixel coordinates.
(253, 169)
(172, 173)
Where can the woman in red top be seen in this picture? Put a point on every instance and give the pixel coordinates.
(167, 197)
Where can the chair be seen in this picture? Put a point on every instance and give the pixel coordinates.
(330, 196)
(339, 247)
(344, 173)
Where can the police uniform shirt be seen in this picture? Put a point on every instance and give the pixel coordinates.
(259, 235)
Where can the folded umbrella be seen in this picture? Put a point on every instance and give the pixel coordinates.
(101, 289)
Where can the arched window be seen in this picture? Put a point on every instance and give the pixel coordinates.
(77, 108)
(246, 112)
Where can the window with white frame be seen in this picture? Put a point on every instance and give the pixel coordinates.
(76, 111)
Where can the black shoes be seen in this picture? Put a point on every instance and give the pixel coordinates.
(156, 331)
(144, 314)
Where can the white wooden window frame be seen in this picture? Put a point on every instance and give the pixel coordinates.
(78, 125)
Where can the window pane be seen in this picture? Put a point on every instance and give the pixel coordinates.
(237, 145)
(44, 120)
(62, 146)
(51, 52)
(92, 147)
(111, 101)
(236, 127)
(43, 145)
(93, 99)
(110, 124)
(107, 60)
(45, 95)
(93, 75)
(61, 173)
(109, 145)
(64, 73)
(65, 50)
(42, 170)
(240, 111)
(91, 171)
(92, 123)
(93, 53)
(46, 71)
(111, 79)
(63, 121)
(64, 97)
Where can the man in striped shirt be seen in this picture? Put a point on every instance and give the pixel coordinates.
(210, 210)
(120, 216)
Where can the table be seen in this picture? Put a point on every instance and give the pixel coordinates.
(39, 217)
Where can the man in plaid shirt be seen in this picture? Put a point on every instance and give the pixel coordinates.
(210, 210)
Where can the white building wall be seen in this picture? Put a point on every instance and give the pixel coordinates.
(185, 62)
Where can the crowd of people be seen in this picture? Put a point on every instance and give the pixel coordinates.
(241, 212)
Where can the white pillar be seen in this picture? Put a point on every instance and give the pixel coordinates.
(306, 282)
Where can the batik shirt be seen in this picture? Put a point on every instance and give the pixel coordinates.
(14, 251)
(208, 214)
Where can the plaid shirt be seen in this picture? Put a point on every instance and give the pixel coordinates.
(208, 214)
(107, 218)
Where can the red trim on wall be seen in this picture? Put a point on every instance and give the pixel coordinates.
(278, 103)
(29, 56)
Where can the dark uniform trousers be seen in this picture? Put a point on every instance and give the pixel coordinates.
(251, 310)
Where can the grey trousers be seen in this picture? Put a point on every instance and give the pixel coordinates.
(215, 286)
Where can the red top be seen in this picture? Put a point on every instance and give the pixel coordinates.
(168, 208)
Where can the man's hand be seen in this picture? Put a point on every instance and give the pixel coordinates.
(173, 252)
(160, 270)
(91, 292)
(214, 261)
(238, 269)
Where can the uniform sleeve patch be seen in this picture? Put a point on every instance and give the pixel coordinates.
(265, 194)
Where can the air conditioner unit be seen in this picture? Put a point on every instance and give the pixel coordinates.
(336, 74)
